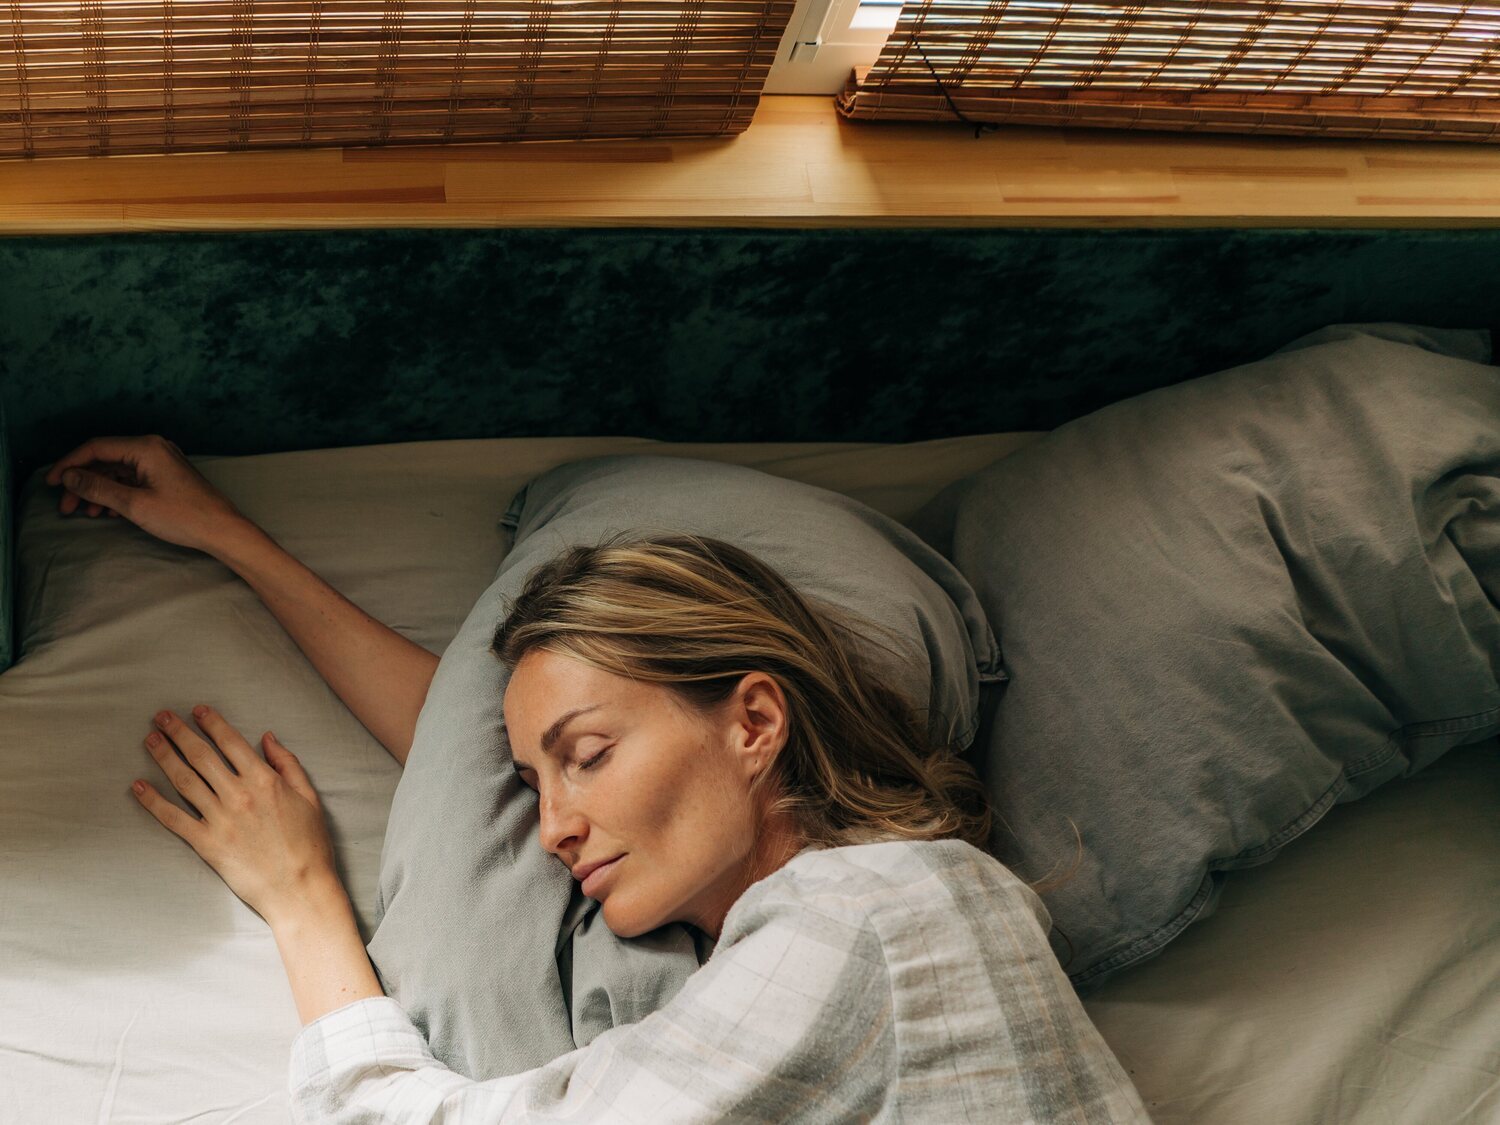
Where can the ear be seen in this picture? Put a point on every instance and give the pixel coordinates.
(760, 721)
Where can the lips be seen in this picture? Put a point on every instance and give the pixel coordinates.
(597, 874)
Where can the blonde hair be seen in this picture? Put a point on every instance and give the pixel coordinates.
(694, 614)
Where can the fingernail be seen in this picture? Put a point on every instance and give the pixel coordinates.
(200, 710)
(139, 786)
(70, 477)
(161, 717)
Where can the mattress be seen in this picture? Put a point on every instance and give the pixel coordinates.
(1352, 979)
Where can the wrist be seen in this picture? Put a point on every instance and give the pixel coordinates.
(239, 543)
(324, 955)
(315, 904)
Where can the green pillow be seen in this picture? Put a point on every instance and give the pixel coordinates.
(484, 938)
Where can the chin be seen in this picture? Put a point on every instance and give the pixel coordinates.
(624, 923)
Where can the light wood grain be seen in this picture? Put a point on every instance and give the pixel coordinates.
(798, 165)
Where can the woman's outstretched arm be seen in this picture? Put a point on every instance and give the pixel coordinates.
(380, 675)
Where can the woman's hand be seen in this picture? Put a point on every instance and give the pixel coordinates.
(262, 826)
(149, 482)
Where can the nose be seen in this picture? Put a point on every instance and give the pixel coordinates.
(563, 827)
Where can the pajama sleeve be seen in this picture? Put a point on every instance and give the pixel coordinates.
(791, 1017)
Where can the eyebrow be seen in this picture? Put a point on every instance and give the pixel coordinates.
(551, 734)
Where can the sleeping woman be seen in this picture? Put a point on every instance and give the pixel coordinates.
(704, 748)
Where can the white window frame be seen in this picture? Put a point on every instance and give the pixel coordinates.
(824, 40)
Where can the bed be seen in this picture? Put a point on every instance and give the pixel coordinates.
(1354, 979)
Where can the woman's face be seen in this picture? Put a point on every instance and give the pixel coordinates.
(634, 775)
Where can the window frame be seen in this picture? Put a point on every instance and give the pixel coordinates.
(824, 40)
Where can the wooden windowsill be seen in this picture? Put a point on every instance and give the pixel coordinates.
(798, 165)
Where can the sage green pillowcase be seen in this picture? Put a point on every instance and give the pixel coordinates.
(485, 938)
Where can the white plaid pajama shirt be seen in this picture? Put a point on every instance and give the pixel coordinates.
(900, 981)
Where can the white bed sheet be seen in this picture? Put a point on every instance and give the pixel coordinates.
(1353, 979)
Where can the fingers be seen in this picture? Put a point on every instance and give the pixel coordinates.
(109, 465)
(290, 767)
(73, 499)
(230, 742)
(97, 449)
(173, 818)
(97, 490)
(203, 768)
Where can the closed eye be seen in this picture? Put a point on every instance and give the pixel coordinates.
(594, 761)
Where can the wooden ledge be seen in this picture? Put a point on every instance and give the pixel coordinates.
(798, 165)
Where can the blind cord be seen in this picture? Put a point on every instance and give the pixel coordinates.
(978, 125)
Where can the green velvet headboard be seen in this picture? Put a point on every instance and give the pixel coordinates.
(253, 342)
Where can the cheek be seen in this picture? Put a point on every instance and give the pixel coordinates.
(686, 802)
(680, 812)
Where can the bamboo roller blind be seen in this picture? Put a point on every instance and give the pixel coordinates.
(1374, 68)
(107, 77)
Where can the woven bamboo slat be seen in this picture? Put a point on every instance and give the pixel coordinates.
(103, 77)
(1379, 68)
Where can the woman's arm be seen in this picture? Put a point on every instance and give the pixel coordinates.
(791, 1019)
(380, 675)
(811, 1008)
(323, 952)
